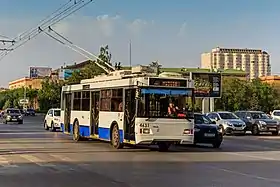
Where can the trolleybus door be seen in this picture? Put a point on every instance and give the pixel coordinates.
(95, 111)
(130, 114)
(67, 113)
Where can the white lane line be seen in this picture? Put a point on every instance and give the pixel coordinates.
(6, 163)
(37, 161)
(248, 155)
(246, 174)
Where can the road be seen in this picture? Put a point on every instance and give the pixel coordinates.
(31, 156)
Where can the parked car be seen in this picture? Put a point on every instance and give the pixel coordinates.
(206, 131)
(258, 121)
(52, 119)
(29, 112)
(275, 114)
(12, 115)
(228, 122)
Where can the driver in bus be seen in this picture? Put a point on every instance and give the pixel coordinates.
(172, 109)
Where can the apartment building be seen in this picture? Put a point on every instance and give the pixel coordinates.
(255, 62)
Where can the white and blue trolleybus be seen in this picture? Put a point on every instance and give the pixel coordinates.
(129, 107)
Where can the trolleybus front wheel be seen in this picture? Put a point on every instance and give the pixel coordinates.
(115, 137)
(163, 146)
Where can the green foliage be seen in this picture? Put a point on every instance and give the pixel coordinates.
(247, 95)
(10, 98)
(49, 95)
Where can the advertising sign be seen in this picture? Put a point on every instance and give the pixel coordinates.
(207, 84)
(39, 72)
(65, 73)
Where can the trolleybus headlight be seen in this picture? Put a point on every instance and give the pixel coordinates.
(144, 131)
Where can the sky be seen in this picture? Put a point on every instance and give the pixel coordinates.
(173, 32)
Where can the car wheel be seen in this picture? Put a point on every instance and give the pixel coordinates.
(217, 144)
(52, 127)
(255, 130)
(275, 133)
(46, 126)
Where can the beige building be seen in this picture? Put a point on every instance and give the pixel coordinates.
(33, 83)
(253, 61)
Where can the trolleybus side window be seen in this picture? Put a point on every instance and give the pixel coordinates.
(77, 101)
(85, 101)
(117, 100)
(106, 100)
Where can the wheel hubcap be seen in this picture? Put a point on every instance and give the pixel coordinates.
(115, 136)
(76, 132)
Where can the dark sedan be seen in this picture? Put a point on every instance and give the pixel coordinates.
(206, 131)
(12, 115)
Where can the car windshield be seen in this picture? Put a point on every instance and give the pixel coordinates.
(13, 111)
(276, 113)
(164, 103)
(56, 112)
(228, 115)
(201, 119)
(259, 115)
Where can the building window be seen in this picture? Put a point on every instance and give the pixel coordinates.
(77, 101)
(85, 101)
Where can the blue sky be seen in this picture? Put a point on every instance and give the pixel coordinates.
(173, 32)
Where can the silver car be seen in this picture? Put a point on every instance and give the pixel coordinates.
(228, 122)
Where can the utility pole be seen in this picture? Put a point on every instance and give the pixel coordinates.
(130, 54)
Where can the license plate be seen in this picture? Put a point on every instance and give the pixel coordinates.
(238, 128)
(14, 119)
(209, 135)
(272, 129)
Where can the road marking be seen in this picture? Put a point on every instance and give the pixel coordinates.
(246, 174)
(6, 163)
(252, 156)
(61, 157)
(37, 161)
(24, 133)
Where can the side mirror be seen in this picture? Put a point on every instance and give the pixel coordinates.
(213, 122)
(216, 119)
(50, 115)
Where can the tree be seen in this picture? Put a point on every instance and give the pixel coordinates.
(49, 95)
(247, 95)
(156, 66)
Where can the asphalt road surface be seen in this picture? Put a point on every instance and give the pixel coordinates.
(31, 156)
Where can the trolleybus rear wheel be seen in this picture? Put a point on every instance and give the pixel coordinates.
(76, 132)
(115, 137)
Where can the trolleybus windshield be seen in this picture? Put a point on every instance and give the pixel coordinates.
(164, 102)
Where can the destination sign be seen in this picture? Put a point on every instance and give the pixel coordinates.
(167, 82)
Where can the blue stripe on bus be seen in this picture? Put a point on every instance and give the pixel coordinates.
(103, 133)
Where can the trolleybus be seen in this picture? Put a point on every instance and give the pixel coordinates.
(129, 107)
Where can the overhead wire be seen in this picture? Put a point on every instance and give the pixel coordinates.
(73, 45)
(55, 19)
(72, 48)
